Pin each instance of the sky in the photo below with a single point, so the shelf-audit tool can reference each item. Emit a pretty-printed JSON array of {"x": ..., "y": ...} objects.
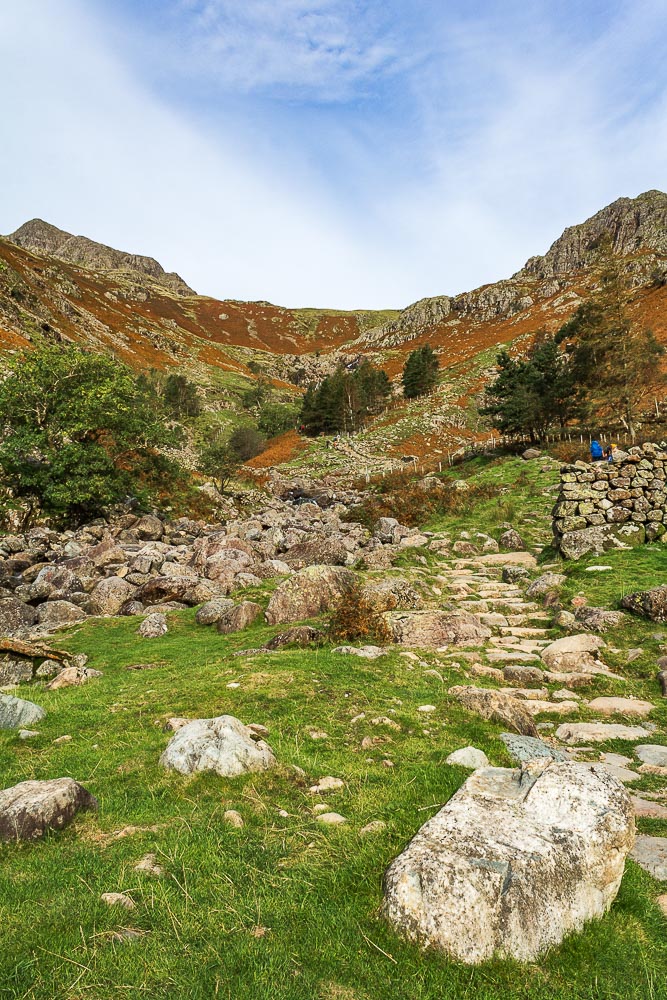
[{"x": 332, "y": 153}]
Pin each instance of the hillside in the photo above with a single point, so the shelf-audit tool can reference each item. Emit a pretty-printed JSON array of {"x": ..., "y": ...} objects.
[{"x": 58, "y": 286}]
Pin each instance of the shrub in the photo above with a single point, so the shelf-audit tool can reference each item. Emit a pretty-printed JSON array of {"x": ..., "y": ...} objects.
[{"x": 355, "y": 620}]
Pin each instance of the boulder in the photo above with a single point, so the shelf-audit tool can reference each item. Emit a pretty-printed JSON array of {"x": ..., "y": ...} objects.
[
  {"x": 308, "y": 593},
  {"x": 652, "y": 753},
  {"x": 512, "y": 540},
  {"x": 238, "y": 617},
  {"x": 391, "y": 594},
  {"x": 223, "y": 745},
  {"x": 149, "y": 527},
  {"x": 53, "y": 615},
  {"x": 73, "y": 677},
  {"x": 598, "y": 732},
  {"x": 298, "y": 635},
  {"x": 15, "y": 671},
  {"x": 496, "y": 707},
  {"x": 621, "y": 706},
  {"x": 153, "y": 626},
  {"x": 469, "y": 757},
  {"x": 212, "y": 611},
  {"x": 433, "y": 629},
  {"x": 545, "y": 583},
  {"x": 651, "y": 604},
  {"x": 515, "y": 861},
  {"x": 523, "y": 748},
  {"x": 573, "y": 653},
  {"x": 321, "y": 551},
  {"x": 162, "y": 588},
  {"x": 16, "y": 713},
  {"x": 650, "y": 853},
  {"x": 30, "y": 808},
  {"x": 15, "y": 616},
  {"x": 109, "y": 596},
  {"x": 599, "y": 539},
  {"x": 598, "y": 619}
]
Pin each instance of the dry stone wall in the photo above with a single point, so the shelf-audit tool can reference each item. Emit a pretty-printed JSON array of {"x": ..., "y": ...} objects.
[{"x": 606, "y": 505}]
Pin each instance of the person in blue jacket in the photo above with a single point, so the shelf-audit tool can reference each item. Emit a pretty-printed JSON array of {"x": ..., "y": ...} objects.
[{"x": 596, "y": 451}]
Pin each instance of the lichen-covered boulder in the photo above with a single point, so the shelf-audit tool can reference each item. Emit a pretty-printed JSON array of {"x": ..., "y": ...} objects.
[
  {"x": 109, "y": 596},
  {"x": 15, "y": 712},
  {"x": 433, "y": 629},
  {"x": 15, "y": 616},
  {"x": 30, "y": 808},
  {"x": 651, "y": 604},
  {"x": 223, "y": 745},
  {"x": 514, "y": 862},
  {"x": 309, "y": 592},
  {"x": 238, "y": 617},
  {"x": 496, "y": 706}
]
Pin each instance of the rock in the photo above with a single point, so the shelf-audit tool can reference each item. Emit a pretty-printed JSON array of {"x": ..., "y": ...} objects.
[
  {"x": 30, "y": 808},
  {"x": 525, "y": 559},
  {"x": 650, "y": 853},
  {"x": 652, "y": 753},
  {"x": 327, "y": 784},
  {"x": 547, "y": 707},
  {"x": 233, "y": 818},
  {"x": 662, "y": 681},
  {"x": 223, "y": 745},
  {"x": 599, "y": 539},
  {"x": 161, "y": 589},
  {"x": 545, "y": 583},
  {"x": 16, "y": 713},
  {"x": 598, "y": 732},
  {"x": 109, "y": 596},
  {"x": 647, "y": 809},
  {"x": 651, "y": 604},
  {"x": 15, "y": 616},
  {"x": 298, "y": 635},
  {"x": 531, "y": 453},
  {"x": 662, "y": 903},
  {"x": 512, "y": 540},
  {"x": 149, "y": 527},
  {"x": 496, "y": 707},
  {"x": 469, "y": 757},
  {"x": 512, "y": 574},
  {"x": 148, "y": 866},
  {"x": 322, "y": 551},
  {"x": 365, "y": 652},
  {"x": 153, "y": 626},
  {"x": 391, "y": 594},
  {"x": 375, "y": 826},
  {"x": 73, "y": 677},
  {"x": 238, "y": 617},
  {"x": 14, "y": 672},
  {"x": 598, "y": 619},
  {"x": 515, "y": 861},
  {"x": 524, "y": 748},
  {"x": 308, "y": 593},
  {"x": 434, "y": 629},
  {"x": 27, "y": 734},
  {"x": 523, "y": 675},
  {"x": 212, "y": 611},
  {"x": 573, "y": 654},
  {"x": 331, "y": 819},
  {"x": 621, "y": 706},
  {"x": 118, "y": 899},
  {"x": 53, "y": 615}
]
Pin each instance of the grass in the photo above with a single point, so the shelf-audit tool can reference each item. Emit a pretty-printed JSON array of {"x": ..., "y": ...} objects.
[{"x": 285, "y": 907}]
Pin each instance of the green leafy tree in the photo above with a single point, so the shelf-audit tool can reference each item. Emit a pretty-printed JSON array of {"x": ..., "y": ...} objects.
[
  {"x": 78, "y": 432},
  {"x": 420, "y": 372},
  {"x": 246, "y": 441},
  {"x": 276, "y": 418},
  {"x": 530, "y": 395},
  {"x": 180, "y": 397},
  {"x": 220, "y": 461},
  {"x": 345, "y": 400}
]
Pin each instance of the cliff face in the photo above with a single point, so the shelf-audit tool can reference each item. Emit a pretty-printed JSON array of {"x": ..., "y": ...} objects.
[{"x": 42, "y": 237}]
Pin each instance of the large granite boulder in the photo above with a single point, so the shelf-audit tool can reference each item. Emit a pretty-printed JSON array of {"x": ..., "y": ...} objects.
[
  {"x": 308, "y": 593},
  {"x": 53, "y": 615},
  {"x": 15, "y": 616},
  {"x": 30, "y": 808},
  {"x": 223, "y": 745},
  {"x": 600, "y": 538},
  {"x": 651, "y": 604},
  {"x": 238, "y": 617},
  {"x": 322, "y": 551},
  {"x": 573, "y": 654},
  {"x": 390, "y": 594},
  {"x": 212, "y": 611},
  {"x": 514, "y": 862},
  {"x": 433, "y": 629}
]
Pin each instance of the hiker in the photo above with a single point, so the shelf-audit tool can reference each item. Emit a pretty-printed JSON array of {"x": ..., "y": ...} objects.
[
  {"x": 596, "y": 451},
  {"x": 609, "y": 452}
]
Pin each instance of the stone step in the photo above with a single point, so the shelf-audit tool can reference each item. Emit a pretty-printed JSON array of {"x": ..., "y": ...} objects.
[{"x": 523, "y": 631}]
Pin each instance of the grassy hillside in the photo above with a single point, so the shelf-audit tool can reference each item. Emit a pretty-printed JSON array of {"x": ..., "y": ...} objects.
[{"x": 287, "y": 907}]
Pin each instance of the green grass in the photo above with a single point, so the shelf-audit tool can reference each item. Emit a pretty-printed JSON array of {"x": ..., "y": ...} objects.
[{"x": 315, "y": 890}]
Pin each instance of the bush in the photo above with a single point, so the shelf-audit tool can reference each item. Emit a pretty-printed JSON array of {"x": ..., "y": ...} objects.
[
  {"x": 355, "y": 620},
  {"x": 246, "y": 442},
  {"x": 276, "y": 418}
]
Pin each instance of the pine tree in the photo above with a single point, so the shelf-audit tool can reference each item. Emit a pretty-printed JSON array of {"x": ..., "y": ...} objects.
[{"x": 420, "y": 372}]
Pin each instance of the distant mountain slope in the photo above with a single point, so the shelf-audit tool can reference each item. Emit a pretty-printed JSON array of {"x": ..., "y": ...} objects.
[{"x": 42, "y": 237}]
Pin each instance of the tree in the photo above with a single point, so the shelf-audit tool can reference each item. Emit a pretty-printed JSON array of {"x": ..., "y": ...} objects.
[
  {"x": 180, "y": 397},
  {"x": 615, "y": 360},
  {"x": 532, "y": 394},
  {"x": 219, "y": 461},
  {"x": 420, "y": 372},
  {"x": 78, "y": 432},
  {"x": 345, "y": 400},
  {"x": 276, "y": 418},
  {"x": 246, "y": 441}
]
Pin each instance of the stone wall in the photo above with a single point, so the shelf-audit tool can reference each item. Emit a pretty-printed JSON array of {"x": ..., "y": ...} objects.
[{"x": 605, "y": 505}]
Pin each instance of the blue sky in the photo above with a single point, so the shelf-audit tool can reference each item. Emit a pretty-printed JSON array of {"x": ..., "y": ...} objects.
[{"x": 329, "y": 152}]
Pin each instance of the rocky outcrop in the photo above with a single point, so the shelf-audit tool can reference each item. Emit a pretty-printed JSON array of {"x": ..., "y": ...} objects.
[
  {"x": 606, "y": 505},
  {"x": 30, "y": 808},
  {"x": 514, "y": 862},
  {"x": 223, "y": 745}
]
